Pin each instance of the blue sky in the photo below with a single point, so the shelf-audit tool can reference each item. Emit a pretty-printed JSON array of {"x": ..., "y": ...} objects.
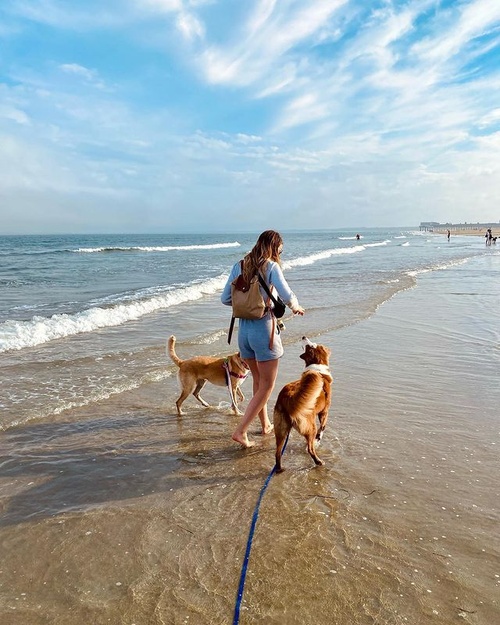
[{"x": 224, "y": 115}]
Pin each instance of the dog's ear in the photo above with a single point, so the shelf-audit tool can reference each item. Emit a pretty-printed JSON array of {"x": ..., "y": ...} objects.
[{"x": 323, "y": 354}]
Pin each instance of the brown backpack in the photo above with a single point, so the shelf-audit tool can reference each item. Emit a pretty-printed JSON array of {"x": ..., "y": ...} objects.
[{"x": 247, "y": 300}]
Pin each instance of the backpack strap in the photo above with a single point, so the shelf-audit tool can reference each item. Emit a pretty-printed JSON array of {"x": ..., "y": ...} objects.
[
  {"x": 263, "y": 284},
  {"x": 230, "y": 331},
  {"x": 231, "y": 325}
]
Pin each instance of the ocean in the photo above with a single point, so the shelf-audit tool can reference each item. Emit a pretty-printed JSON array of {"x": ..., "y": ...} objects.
[{"x": 115, "y": 510}]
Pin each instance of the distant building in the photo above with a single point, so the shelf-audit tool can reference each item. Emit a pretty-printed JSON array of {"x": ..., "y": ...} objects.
[{"x": 429, "y": 225}]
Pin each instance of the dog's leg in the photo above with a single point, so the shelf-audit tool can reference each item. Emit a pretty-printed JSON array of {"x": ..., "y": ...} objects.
[
  {"x": 310, "y": 448},
  {"x": 241, "y": 397},
  {"x": 323, "y": 415},
  {"x": 199, "y": 387},
  {"x": 323, "y": 418},
  {"x": 282, "y": 427},
  {"x": 235, "y": 395},
  {"x": 182, "y": 397},
  {"x": 188, "y": 385}
]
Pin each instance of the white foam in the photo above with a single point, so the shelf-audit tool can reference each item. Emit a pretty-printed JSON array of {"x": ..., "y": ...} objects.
[
  {"x": 309, "y": 260},
  {"x": 439, "y": 266},
  {"x": 15, "y": 335},
  {"x": 60, "y": 406},
  {"x": 167, "y": 248},
  {"x": 212, "y": 337},
  {"x": 386, "y": 242}
]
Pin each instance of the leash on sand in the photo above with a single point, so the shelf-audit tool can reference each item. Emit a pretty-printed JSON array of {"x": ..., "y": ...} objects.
[{"x": 244, "y": 567}]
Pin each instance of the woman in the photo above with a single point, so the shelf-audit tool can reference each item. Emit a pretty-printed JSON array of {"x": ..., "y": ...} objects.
[{"x": 258, "y": 339}]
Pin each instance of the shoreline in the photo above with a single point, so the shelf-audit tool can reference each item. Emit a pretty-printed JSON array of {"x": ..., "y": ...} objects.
[{"x": 460, "y": 232}]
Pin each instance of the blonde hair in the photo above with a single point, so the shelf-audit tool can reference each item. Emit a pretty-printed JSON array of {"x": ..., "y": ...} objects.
[{"x": 267, "y": 248}]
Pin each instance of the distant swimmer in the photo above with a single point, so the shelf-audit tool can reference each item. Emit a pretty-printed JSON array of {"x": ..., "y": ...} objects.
[{"x": 358, "y": 237}]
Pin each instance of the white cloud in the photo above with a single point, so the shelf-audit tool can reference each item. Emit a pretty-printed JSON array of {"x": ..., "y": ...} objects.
[
  {"x": 271, "y": 31},
  {"x": 493, "y": 117},
  {"x": 475, "y": 18},
  {"x": 166, "y": 6},
  {"x": 189, "y": 26},
  {"x": 15, "y": 115},
  {"x": 74, "y": 68}
]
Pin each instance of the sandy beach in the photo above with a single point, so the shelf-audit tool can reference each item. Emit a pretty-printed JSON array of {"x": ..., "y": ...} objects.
[
  {"x": 476, "y": 232},
  {"x": 130, "y": 515}
]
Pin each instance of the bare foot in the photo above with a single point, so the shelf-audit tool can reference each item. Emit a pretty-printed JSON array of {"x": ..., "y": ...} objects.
[
  {"x": 242, "y": 439},
  {"x": 268, "y": 429}
]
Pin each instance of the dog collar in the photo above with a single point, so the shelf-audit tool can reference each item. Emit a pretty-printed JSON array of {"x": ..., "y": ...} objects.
[
  {"x": 235, "y": 375},
  {"x": 320, "y": 369}
]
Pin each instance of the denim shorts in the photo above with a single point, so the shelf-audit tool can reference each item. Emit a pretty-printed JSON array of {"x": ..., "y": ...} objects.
[{"x": 254, "y": 336}]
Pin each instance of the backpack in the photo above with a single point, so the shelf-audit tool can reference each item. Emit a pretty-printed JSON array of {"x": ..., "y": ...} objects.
[{"x": 247, "y": 300}]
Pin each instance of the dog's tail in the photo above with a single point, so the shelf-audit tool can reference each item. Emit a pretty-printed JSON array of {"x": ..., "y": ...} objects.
[{"x": 171, "y": 351}]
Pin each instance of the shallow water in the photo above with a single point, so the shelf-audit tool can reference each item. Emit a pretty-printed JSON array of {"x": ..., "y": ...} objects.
[{"x": 121, "y": 512}]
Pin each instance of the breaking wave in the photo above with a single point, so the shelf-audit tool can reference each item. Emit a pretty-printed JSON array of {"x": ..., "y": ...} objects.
[{"x": 15, "y": 335}]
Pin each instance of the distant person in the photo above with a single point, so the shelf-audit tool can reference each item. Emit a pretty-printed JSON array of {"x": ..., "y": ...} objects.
[
  {"x": 358, "y": 237},
  {"x": 448, "y": 235},
  {"x": 488, "y": 236}
]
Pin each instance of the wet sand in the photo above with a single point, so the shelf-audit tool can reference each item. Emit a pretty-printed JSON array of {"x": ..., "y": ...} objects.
[
  {"x": 129, "y": 514},
  {"x": 462, "y": 232}
]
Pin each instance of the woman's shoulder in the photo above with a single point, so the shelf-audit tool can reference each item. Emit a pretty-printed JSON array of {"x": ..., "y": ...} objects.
[
  {"x": 272, "y": 266},
  {"x": 269, "y": 264},
  {"x": 236, "y": 269}
]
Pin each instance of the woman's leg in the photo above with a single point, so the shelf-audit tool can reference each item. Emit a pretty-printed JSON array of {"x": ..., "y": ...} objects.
[
  {"x": 267, "y": 426},
  {"x": 264, "y": 379}
]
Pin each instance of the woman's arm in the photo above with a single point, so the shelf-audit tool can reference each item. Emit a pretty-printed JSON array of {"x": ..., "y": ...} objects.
[
  {"x": 277, "y": 279},
  {"x": 226, "y": 293}
]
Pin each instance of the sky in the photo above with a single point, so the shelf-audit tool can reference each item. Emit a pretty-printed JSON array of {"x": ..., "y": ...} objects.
[{"x": 242, "y": 115}]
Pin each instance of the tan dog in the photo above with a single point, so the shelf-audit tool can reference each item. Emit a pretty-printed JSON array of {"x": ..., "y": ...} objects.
[
  {"x": 196, "y": 372},
  {"x": 300, "y": 402}
]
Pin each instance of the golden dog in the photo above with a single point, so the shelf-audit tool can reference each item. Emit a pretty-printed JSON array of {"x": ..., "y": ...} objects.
[
  {"x": 194, "y": 373},
  {"x": 301, "y": 401}
]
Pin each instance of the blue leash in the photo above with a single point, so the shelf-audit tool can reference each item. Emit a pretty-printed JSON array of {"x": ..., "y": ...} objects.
[{"x": 244, "y": 567}]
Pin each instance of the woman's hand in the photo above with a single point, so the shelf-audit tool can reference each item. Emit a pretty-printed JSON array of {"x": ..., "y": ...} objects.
[{"x": 298, "y": 310}]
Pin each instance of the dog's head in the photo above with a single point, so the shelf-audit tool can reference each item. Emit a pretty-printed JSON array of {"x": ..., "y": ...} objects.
[
  {"x": 238, "y": 364},
  {"x": 315, "y": 354}
]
